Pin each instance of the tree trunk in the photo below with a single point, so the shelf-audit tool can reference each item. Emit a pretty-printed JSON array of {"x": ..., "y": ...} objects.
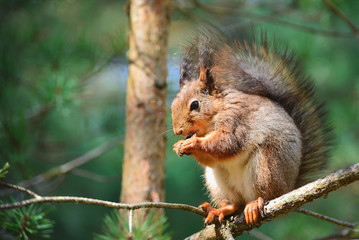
[{"x": 144, "y": 160}]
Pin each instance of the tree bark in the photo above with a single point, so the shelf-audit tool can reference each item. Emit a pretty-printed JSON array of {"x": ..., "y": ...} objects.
[{"x": 144, "y": 159}]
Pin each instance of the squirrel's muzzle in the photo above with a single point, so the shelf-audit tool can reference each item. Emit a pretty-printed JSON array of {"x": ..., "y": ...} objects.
[{"x": 178, "y": 131}]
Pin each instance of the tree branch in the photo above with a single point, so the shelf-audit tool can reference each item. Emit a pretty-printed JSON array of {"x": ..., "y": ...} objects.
[
  {"x": 21, "y": 189},
  {"x": 283, "y": 204},
  {"x": 325, "y": 218},
  {"x": 71, "y": 165},
  {"x": 265, "y": 18},
  {"x": 94, "y": 176},
  {"x": 90, "y": 201},
  {"x": 343, "y": 234},
  {"x": 99, "y": 69},
  {"x": 236, "y": 224},
  {"x": 103, "y": 203},
  {"x": 341, "y": 15}
]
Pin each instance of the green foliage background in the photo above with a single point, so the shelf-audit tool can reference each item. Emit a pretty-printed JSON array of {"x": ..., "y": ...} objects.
[{"x": 63, "y": 69}]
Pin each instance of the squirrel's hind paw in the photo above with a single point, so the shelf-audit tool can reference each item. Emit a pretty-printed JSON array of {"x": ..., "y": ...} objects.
[
  {"x": 220, "y": 213},
  {"x": 253, "y": 210}
]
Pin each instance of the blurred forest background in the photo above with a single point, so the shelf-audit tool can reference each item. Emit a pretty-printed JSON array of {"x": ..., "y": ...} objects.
[{"x": 63, "y": 70}]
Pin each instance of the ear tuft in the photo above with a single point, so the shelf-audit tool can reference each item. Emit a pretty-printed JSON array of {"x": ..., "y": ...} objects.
[
  {"x": 198, "y": 59},
  {"x": 189, "y": 64},
  {"x": 206, "y": 58}
]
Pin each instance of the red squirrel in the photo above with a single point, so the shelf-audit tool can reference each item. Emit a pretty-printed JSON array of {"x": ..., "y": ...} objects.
[{"x": 251, "y": 119}]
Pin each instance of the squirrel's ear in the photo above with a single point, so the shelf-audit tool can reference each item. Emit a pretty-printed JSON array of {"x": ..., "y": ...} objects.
[
  {"x": 189, "y": 64},
  {"x": 198, "y": 60},
  {"x": 206, "y": 63},
  {"x": 206, "y": 78},
  {"x": 188, "y": 70}
]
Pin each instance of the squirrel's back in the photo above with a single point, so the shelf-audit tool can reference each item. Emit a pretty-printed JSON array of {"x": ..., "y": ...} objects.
[{"x": 262, "y": 68}]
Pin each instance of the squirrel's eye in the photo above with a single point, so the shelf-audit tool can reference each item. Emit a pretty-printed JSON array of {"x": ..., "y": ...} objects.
[{"x": 194, "y": 105}]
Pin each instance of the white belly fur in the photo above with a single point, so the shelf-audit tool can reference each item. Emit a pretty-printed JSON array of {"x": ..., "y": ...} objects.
[{"x": 232, "y": 180}]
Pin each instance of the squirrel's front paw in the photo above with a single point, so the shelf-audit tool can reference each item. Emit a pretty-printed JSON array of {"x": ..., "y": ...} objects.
[
  {"x": 185, "y": 146},
  {"x": 177, "y": 146}
]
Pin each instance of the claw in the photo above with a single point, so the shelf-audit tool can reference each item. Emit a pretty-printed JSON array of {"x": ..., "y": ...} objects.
[
  {"x": 183, "y": 147},
  {"x": 253, "y": 210},
  {"x": 206, "y": 207},
  {"x": 219, "y": 213},
  {"x": 177, "y": 147}
]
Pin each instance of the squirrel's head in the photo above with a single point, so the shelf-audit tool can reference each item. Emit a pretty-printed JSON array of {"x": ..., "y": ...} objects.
[
  {"x": 193, "y": 110},
  {"x": 197, "y": 102}
]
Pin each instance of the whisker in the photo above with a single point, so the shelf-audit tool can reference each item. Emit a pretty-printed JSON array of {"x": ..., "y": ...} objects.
[{"x": 167, "y": 131}]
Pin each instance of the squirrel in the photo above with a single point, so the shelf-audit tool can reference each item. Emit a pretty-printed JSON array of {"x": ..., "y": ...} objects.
[{"x": 250, "y": 117}]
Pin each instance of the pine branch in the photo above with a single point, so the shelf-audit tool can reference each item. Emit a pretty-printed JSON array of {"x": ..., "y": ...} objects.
[{"x": 284, "y": 204}]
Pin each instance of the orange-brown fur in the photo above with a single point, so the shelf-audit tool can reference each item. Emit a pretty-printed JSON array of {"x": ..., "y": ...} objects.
[{"x": 254, "y": 126}]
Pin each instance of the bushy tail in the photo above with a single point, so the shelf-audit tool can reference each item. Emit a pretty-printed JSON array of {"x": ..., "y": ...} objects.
[{"x": 262, "y": 68}]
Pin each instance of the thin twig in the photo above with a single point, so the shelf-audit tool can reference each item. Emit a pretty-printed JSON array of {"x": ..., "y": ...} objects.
[
  {"x": 130, "y": 221},
  {"x": 35, "y": 115},
  {"x": 93, "y": 176},
  {"x": 52, "y": 185},
  {"x": 71, "y": 165},
  {"x": 21, "y": 189},
  {"x": 196, "y": 18},
  {"x": 325, "y": 218},
  {"x": 99, "y": 68},
  {"x": 340, "y": 14},
  {"x": 92, "y": 201},
  {"x": 264, "y": 18},
  {"x": 343, "y": 234},
  {"x": 103, "y": 203},
  {"x": 39, "y": 113}
]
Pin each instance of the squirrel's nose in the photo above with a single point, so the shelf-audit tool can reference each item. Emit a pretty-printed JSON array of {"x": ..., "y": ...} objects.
[{"x": 178, "y": 131}]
